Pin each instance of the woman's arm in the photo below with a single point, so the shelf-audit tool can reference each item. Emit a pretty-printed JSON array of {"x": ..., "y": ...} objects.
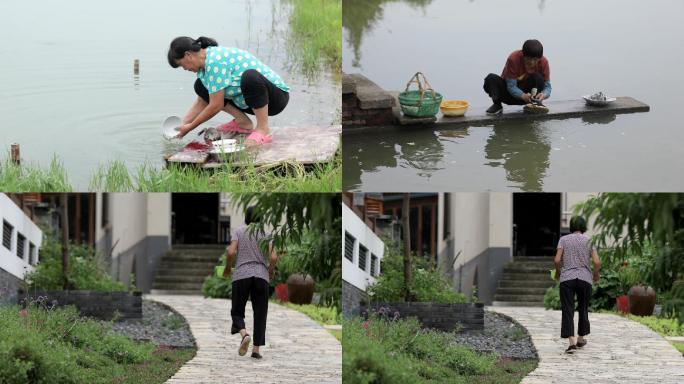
[
  {"x": 194, "y": 110},
  {"x": 273, "y": 261},
  {"x": 557, "y": 260},
  {"x": 597, "y": 264},
  {"x": 216, "y": 101},
  {"x": 230, "y": 252}
]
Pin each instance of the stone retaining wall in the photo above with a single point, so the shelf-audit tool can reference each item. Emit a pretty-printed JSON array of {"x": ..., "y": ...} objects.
[
  {"x": 9, "y": 284},
  {"x": 444, "y": 317},
  {"x": 101, "y": 305},
  {"x": 364, "y": 103},
  {"x": 351, "y": 299}
]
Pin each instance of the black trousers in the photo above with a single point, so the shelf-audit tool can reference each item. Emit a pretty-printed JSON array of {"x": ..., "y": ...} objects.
[
  {"x": 568, "y": 290},
  {"x": 257, "y": 90},
  {"x": 257, "y": 290},
  {"x": 496, "y": 88}
]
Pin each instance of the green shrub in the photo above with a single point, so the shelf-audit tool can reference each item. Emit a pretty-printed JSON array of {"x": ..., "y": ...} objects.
[
  {"x": 428, "y": 283},
  {"x": 400, "y": 351},
  {"x": 86, "y": 271},
  {"x": 552, "y": 298},
  {"x": 57, "y": 346},
  {"x": 217, "y": 287}
]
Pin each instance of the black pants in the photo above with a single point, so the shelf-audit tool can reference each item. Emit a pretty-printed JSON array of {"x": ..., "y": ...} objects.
[
  {"x": 257, "y": 290},
  {"x": 568, "y": 290},
  {"x": 257, "y": 90},
  {"x": 496, "y": 88}
]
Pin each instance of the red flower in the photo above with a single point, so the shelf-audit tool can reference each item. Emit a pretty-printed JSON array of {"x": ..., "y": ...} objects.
[
  {"x": 23, "y": 313},
  {"x": 365, "y": 324}
]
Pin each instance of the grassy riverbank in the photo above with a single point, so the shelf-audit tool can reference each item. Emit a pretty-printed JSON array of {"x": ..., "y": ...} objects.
[
  {"x": 316, "y": 31},
  {"x": 116, "y": 177}
]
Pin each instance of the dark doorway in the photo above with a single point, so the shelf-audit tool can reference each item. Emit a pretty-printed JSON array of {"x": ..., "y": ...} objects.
[
  {"x": 536, "y": 223},
  {"x": 195, "y": 218}
]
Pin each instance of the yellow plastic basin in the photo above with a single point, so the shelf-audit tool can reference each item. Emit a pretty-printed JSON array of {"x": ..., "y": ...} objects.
[{"x": 454, "y": 108}]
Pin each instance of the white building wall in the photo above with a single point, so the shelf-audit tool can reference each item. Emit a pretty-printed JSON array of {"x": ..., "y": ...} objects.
[
  {"x": 128, "y": 217},
  {"x": 22, "y": 224},
  {"x": 159, "y": 214},
  {"x": 501, "y": 219},
  {"x": 351, "y": 272},
  {"x": 470, "y": 223}
]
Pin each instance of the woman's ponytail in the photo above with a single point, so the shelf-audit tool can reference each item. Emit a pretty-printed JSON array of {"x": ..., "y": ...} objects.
[
  {"x": 183, "y": 44},
  {"x": 205, "y": 42}
]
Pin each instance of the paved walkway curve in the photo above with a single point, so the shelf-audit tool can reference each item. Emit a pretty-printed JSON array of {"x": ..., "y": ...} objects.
[
  {"x": 297, "y": 350},
  {"x": 618, "y": 351}
]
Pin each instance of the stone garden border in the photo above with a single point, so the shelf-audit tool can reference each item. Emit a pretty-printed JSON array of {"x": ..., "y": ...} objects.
[
  {"x": 100, "y": 305},
  {"x": 443, "y": 317}
]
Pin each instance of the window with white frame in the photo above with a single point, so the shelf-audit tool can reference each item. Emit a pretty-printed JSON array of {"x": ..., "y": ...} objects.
[
  {"x": 7, "y": 233},
  {"x": 374, "y": 265},
  {"x": 21, "y": 245},
  {"x": 32, "y": 253},
  {"x": 363, "y": 257},
  {"x": 349, "y": 246}
]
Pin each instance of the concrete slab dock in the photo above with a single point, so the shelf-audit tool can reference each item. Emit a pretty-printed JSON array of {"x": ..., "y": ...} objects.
[
  {"x": 305, "y": 145},
  {"x": 477, "y": 116}
]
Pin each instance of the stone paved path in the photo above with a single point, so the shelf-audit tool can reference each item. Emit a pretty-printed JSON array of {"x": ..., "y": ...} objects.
[
  {"x": 297, "y": 349},
  {"x": 618, "y": 351}
]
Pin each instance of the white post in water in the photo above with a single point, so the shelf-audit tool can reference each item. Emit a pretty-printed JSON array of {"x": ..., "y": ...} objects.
[
  {"x": 136, "y": 67},
  {"x": 14, "y": 154}
]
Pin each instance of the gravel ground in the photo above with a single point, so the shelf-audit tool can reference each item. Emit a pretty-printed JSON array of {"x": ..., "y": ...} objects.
[
  {"x": 160, "y": 325},
  {"x": 501, "y": 335}
]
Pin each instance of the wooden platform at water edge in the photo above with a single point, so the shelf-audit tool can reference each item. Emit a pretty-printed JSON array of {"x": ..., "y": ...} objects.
[
  {"x": 306, "y": 145},
  {"x": 557, "y": 110}
]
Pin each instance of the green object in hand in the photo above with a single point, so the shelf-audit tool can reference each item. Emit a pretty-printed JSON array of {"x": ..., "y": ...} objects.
[
  {"x": 219, "y": 270},
  {"x": 553, "y": 274}
]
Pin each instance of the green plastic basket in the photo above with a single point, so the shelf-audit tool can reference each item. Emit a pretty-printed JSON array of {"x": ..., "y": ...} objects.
[{"x": 421, "y": 103}]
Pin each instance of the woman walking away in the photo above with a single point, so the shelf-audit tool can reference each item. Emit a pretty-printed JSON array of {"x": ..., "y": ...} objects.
[
  {"x": 230, "y": 80},
  {"x": 251, "y": 280},
  {"x": 572, "y": 268}
]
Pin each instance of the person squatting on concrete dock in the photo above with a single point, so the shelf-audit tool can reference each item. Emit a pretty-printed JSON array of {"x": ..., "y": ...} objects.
[
  {"x": 231, "y": 80},
  {"x": 525, "y": 69},
  {"x": 250, "y": 280},
  {"x": 573, "y": 257}
]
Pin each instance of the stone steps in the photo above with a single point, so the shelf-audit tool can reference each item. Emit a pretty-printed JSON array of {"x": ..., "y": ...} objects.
[
  {"x": 505, "y": 283},
  {"x": 524, "y": 281},
  {"x": 521, "y": 291},
  {"x": 515, "y": 297},
  {"x": 182, "y": 269}
]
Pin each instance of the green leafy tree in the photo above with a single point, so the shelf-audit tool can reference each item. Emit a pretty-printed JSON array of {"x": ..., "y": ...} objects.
[
  {"x": 631, "y": 222},
  {"x": 311, "y": 219}
]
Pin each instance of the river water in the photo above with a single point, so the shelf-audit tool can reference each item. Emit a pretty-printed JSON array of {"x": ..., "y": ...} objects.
[
  {"x": 624, "y": 48},
  {"x": 68, "y": 87}
]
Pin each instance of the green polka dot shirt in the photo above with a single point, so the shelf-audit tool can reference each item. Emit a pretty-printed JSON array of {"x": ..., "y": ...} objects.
[{"x": 223, "y": 69}]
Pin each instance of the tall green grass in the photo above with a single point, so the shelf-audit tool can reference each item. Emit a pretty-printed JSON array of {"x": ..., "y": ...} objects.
[
  {"x": 43, "y": 345},
  {"x": 316, "y": 33},
  {"x": 116, "y": 177},
  {"x": 32, "y": 178}
]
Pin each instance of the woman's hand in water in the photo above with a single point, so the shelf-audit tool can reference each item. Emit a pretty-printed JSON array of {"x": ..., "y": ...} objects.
[{"x": 184, "y": 130}]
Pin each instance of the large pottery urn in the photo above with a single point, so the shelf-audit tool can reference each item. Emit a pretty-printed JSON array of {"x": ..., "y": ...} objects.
[
  {"x": 642, "y": 299},
  {"x": 300, "y": 288}
]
